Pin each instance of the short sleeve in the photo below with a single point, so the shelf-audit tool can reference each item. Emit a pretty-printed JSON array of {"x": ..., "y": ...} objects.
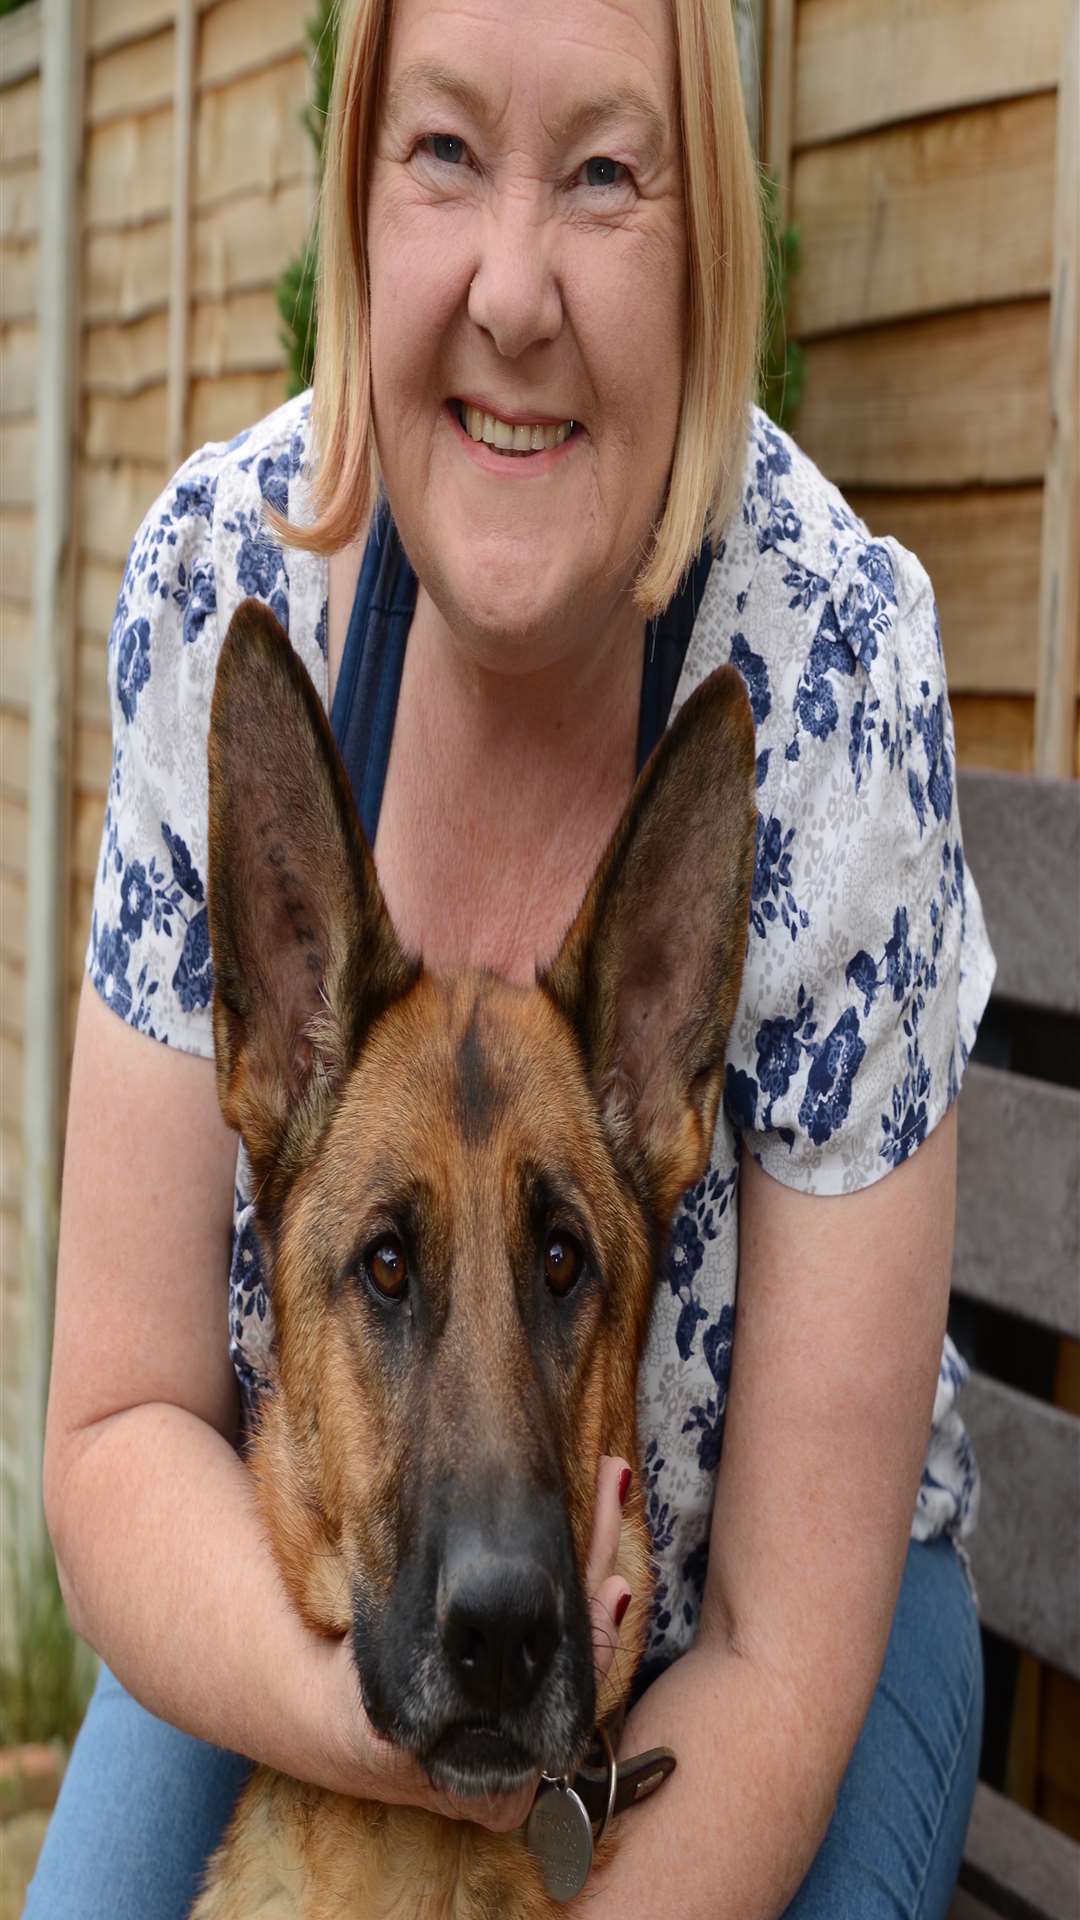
[
  {"x": 868, "y": 965},
  {"x": 149, "y": 949}
]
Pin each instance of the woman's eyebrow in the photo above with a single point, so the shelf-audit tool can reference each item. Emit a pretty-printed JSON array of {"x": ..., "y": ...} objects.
[{"x": 429, "y": 77}]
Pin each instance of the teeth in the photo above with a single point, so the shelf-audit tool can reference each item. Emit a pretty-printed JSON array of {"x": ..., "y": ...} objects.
[{"x": 507, "y": 439}]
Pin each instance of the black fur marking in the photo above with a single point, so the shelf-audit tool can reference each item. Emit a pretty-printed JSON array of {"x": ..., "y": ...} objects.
[{"x": 479, "y": 1099}]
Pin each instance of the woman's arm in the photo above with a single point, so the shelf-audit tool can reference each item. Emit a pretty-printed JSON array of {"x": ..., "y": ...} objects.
[{"x": 841, "y": 1315}]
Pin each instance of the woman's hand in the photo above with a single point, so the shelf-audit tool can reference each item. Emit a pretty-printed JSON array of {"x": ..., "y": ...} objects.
[{"x": 386, "y": 1772}]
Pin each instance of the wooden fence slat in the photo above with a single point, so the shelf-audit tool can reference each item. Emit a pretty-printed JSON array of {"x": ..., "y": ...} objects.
[
  {"x": 113, "y": 498},
  {"x": 239, "y": 335},
  {"x": 220, "y": 408},
  {"x": 239, "y": 245},
  {"x": 18, "y": 459},
  {"x": 16, "y": 553},
  {"x": 227, "y": 159},
  {"x": 981, "y": 550},
  {"x": 110, "y": 23},
  {"x": 10, "y": 1080},
  {"x": 11, "y": 1274},
  {"x": 12, "y": 996},
  {"x": 135, "y": 78},
  {"x": 14, "y": 749},
  {"x": 20, "y": 44},
  {"x": 81, "y": 901},
  {"x": 1059, "y": 602},
  {"x": 117, "y": 425},
  {"x": 20, "y": 195},
  {"x": 228, "y": 48},
  {"x": 949, "y": 212},
  {"x": 1026, "y": 1561},
  {"x": 1020, "y": 837},
  {"x": 13, "y": 839},
  {"x": 958, "y": 400},
  {"x": 98, "y": 587},
  {"x": 12, "y": 918},
  {"x": 1018, "y": 1218},
  {"x": 125, "y": 359},
  {"x": 859, "y": 66},
  {"x": 93, "y": 758},
  {"x": 1019, "y": 1862},
  {"x": 18, "y": 279},
  {"x": 18, "y": 371},
  {"x": 995, "y": 732},
  {"x": 86, "y": 835},
  {"x": 91, "y": 681},
  {"x": 20, "y": 122},
  {"x": 16, "y": 653},
  {"x": 247, "y": 240},
  {"x": 125, "y": 273},
  {"x": 128, "y": 170},
  {"x": 11, "y": 1164}
]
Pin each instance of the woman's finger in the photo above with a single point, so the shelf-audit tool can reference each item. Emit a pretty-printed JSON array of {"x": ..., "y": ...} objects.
[{"x": 612, "y": 1486}]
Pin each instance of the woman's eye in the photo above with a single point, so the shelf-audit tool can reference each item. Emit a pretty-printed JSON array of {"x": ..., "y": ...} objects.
[
  {"x": 599, "y": 171},
  {"x": 563, "y": 1262},
  {"x": 385, "y": 1266},
  {"x": 446, "y": 147}
]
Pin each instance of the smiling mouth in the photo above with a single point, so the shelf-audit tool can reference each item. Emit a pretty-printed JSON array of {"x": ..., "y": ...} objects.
[{"x": 515, "y": 441}]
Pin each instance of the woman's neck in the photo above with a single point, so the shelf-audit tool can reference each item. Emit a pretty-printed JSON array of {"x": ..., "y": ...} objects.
[{"x": 577, "y": 703}]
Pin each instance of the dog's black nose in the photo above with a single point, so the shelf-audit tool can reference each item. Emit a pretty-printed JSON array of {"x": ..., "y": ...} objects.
[{"x": 500, "y": 1625}]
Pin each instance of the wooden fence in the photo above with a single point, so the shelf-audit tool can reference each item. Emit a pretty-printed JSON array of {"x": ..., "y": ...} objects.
[
  {"x": 196, "y": 188},
  {"x": 928, "y": 150}
]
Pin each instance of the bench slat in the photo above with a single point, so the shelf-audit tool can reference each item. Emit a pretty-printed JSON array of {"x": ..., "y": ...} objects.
[
  {"x": 1025, "y": 1552},
  {"x": 966, "y": 1907},
  {"x": 1022, "y": 843},
  {"x": 1024, "y": 1869},
  {"x": 1018, "y": 1214}
]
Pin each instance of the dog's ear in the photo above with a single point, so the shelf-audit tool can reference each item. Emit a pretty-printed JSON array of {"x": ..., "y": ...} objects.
[
  {"x": 649, "y": 973},
  {"x": 304, "y": 955}
]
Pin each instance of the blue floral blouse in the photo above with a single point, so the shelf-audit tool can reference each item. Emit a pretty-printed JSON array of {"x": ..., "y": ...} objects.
[{"x": 868, "y": 965}]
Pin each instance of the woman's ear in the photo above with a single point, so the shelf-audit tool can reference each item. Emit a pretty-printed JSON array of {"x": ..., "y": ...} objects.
[
  {"x": 649, "y": 973},
  {"x": 304, "y": 955}
]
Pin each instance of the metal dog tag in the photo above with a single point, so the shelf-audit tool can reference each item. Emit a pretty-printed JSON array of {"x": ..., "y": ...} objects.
[{"x": 559, "y": 1833}]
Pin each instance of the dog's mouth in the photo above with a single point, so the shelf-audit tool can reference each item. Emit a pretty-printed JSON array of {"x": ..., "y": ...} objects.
[{"x": 478, "y": 1760}]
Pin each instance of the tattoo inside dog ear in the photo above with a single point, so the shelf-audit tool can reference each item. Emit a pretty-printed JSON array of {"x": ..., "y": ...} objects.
[
  {"x": 305, "y": 957},
  {"x": 649, "y": 974}
]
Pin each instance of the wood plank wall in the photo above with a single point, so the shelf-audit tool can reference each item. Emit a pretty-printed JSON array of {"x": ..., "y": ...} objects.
[
  {"x": 252, "y": 190},
  {"x": 20, "y": 95},
  {"x": 920, "y": 169}
]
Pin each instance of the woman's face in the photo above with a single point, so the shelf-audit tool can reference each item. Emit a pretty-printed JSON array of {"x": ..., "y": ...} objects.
[{"x": 528, "y": 263}]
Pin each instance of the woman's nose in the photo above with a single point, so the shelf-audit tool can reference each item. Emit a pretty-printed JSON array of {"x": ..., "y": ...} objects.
[{"x": 514, "y": 295}]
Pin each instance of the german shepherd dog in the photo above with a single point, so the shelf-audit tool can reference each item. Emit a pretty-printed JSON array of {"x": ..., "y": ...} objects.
[{"x": 463, "y": 1189}]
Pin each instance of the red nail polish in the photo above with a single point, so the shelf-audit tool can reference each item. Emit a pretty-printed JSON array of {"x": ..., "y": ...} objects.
[
  {"x": 620, "y": 1608},
  {"x": 625, "y": 1478}
]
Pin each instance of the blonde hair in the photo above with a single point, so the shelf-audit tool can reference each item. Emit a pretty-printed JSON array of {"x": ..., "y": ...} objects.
[{"x": 723, "y": 312}]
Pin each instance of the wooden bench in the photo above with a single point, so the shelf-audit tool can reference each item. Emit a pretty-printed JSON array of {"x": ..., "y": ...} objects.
[{"x": 1018, "y": 1251}]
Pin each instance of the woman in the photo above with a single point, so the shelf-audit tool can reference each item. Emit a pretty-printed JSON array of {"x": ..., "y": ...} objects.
[{"x": 540, "y": 285}]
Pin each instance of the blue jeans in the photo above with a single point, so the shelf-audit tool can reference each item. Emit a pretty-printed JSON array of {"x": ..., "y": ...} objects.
[{"x": 143, "y": 1806}]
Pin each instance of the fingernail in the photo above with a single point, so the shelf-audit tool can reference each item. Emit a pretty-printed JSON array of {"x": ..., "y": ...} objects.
[
  {"x": 625, "y": 1478},
  {"x": 620, "y": 1608}
]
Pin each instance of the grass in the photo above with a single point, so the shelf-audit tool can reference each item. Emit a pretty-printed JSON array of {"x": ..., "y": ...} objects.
[{"x": 46, "y": 1674}]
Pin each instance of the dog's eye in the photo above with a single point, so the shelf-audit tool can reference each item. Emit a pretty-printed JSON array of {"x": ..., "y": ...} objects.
[
  {"x": 563, "y": 1261},
  {"x": 386, "y": 1268}
]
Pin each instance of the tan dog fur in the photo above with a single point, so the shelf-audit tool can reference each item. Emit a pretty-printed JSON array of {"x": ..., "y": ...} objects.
[{"x": 349, "y": 1071}]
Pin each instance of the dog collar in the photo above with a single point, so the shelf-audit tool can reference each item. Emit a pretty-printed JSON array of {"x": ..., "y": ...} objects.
[{"x": 559, "y": 1831}]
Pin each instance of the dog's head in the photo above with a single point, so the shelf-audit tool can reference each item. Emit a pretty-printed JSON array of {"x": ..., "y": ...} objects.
[{"x": 462, "y": 1190}]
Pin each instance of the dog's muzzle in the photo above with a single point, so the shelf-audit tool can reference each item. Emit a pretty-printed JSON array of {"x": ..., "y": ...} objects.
[{"x": 481, "y": 1662}]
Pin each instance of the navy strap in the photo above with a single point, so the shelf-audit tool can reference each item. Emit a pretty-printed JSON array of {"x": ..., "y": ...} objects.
[{"x": 369, "y": 681}]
